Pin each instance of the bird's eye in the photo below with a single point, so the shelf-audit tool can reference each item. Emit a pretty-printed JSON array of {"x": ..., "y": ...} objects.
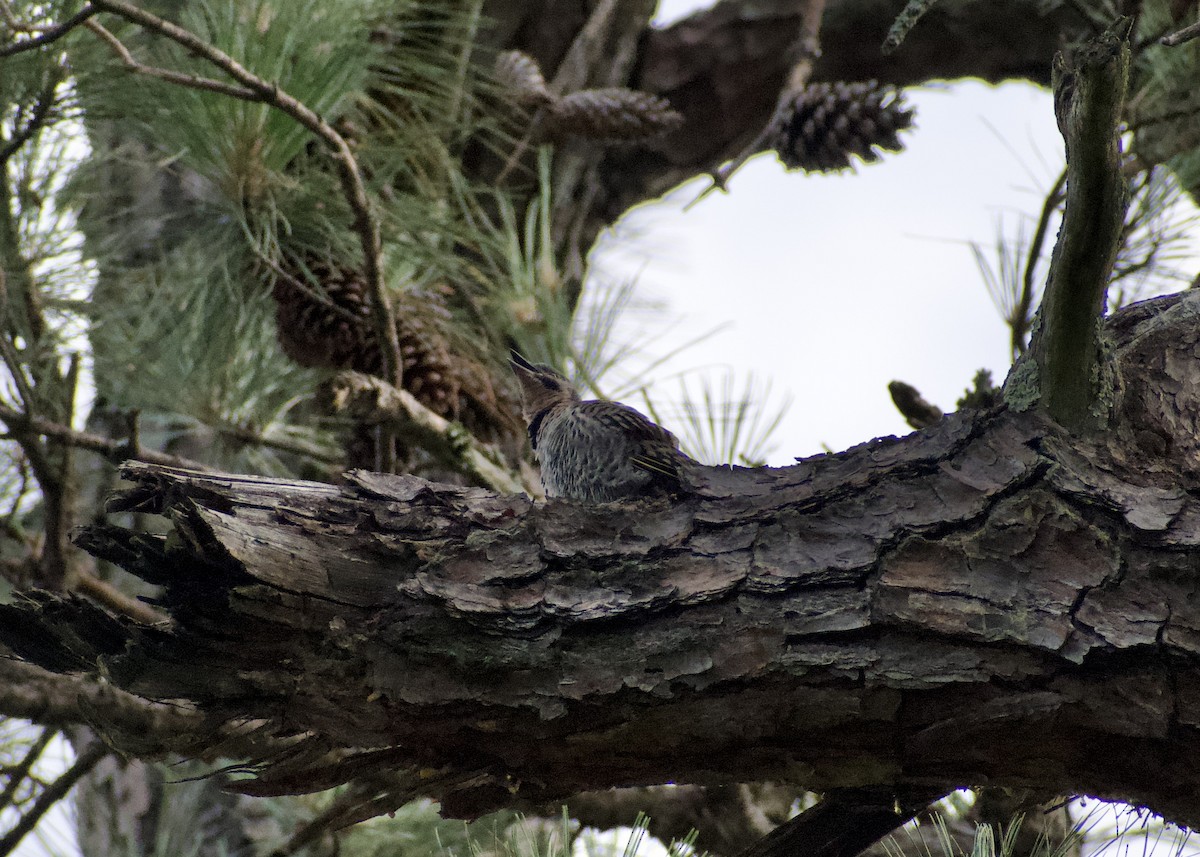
[{"x": 549, "y": 383}]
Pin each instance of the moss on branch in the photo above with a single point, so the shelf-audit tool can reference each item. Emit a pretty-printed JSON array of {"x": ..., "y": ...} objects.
[{"x": 1089, "y": 93}]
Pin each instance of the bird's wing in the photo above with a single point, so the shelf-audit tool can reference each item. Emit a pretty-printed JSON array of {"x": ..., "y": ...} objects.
[
  {"x": 657, "y": 450},
  {"x": 635, "y": 424}
]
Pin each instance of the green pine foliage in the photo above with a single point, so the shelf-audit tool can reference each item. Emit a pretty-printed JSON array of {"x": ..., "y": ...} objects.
[
  {"x": 206, "y": 361},
  {"x": 1164, "y": 102}
]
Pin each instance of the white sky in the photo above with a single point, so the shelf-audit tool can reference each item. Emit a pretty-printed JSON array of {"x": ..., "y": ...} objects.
[{"x": 834, "y": 285}]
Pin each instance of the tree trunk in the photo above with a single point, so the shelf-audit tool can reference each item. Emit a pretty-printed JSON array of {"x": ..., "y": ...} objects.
[{"x": 986, "y": 601}]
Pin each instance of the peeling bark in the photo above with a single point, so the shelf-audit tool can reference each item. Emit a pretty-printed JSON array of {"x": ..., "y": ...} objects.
[{"x": 988, "y": 601}]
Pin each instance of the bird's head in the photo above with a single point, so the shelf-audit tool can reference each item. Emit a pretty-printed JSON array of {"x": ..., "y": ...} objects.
[{"x": 541, "y": 386}]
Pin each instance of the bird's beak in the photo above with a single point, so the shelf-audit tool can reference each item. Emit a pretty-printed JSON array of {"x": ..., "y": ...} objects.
[{"x": 518, "y": 362}]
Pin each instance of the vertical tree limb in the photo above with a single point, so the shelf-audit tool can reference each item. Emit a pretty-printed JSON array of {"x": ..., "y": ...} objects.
[{"x": 1089, "y": 92}]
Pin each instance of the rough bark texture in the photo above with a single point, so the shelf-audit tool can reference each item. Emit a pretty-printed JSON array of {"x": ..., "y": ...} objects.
[{"x": 984, "y": 602}]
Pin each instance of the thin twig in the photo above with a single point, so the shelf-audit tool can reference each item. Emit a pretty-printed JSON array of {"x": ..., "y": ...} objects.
[
  {"x": 721, "y": 175},
  {"x": 807, "y": 48},
  {"x": 115, "y": 450},
  {"x": 905, "y": 21},
  {"x": 53, "y": 34},
  {"x": 7, "y": 353},
  {"x": 372, "y": 400},
  {"x": 59, "y": 497},
  {"x": 39, "y": 115},
  {"x": 192, "y": 81},
  {"x": 9, "y": 18},
  {"x": 18, "y": 772},
  {"x": 52, "y": 794},
  {"x": 365, "y": 222},
  {"x": 109, "y": 596},
  {"x": 1181, "y": 36},
  {"x": 253, "y": 438},
  {"x": 1022, "y": 312}
]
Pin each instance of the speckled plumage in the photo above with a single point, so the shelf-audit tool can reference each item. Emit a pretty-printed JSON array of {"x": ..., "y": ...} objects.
[{"x": 593, "y": 450}]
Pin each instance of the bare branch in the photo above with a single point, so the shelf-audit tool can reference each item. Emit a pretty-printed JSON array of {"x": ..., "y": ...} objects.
[
  {"x": 372, "y": 400},
  {"x": 365, "y": 222},
  {"x": 38, "y": 116},
  {"x": 114, "y": 450},
  {"x": 1184, "y": 35},
  {"x": 905, "y": 21},
  {"x": 52, "y": 34},
  {"x": 114, "y": 599},
  {"x": 254, "y": 438},
  {"x": 60, "y": 499},
  {"x": 806, "y": 49},
  {"x": 17, "y": 773},
  {"x": 130, "y": 449},
  {"x": 191, "y": 81},
  {"x": 52, "y": 794},
  {"x": 1022, "y": 312},
  {"x": 137, "y": 726}
]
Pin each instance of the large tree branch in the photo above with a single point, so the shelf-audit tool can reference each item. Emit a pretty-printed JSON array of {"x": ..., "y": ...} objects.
[
  {"x": 990, "y": 600},
  {"x": 723, "y": 69}
]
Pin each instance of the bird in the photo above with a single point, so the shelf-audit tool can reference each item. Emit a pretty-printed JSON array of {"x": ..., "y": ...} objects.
[{"x": 594, "y": 450}]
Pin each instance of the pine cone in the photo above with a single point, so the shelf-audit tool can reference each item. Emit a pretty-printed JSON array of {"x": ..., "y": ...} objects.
[
  {"x": 826, "y": 123},
  {"x": 521, "y": 77},
  {"x": 611, "y": 114},
  {"x": 324, "y": 320}
]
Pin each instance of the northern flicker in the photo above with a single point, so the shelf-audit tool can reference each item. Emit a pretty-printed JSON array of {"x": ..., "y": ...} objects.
[{"x": 594, "y": 450}]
